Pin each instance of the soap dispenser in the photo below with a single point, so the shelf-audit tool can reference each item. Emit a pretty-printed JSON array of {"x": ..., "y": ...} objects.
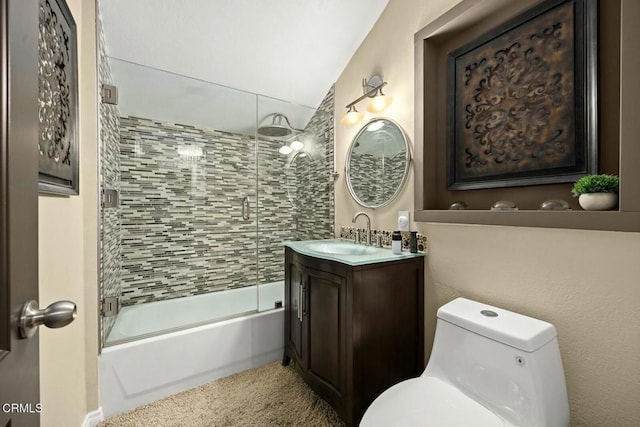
[{"x": 396, "y": 243}]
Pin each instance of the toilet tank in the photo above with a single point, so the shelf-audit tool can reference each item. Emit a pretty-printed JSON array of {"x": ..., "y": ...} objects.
[{"x": 508, "y": 362}]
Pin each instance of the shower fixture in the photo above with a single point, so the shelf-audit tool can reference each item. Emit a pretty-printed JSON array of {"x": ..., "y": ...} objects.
[{"x": 279, "y": 126}]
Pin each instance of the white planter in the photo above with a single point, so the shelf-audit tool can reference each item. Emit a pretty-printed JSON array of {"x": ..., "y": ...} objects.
[{"x": 598, "y": 201}]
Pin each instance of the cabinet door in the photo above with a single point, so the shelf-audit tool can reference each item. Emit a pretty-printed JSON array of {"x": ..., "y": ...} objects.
[
  {"x": 324, "y": 314},
  {"x": 294, "y": 314}
]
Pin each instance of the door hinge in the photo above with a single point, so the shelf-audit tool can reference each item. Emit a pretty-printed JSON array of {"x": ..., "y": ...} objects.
[
  {"x": 110, "y": 306},
  {"x": 109, "y": 94},
  {"x": 109, "y": 198}
]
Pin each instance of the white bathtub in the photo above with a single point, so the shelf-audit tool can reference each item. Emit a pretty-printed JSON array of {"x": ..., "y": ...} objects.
[{"x": 139, "y": 372}]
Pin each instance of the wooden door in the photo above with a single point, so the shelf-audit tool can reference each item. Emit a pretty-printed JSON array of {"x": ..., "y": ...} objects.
[{"x": 19, "y": 376}]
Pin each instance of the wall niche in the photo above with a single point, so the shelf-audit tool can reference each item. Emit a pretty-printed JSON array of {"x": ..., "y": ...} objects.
[{"x": 465, "y": 22}]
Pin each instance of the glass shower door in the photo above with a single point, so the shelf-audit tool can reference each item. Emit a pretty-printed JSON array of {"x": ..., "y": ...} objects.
[
  {"x": 295, "y": 185},
  {"x": 187, "y": 197}
]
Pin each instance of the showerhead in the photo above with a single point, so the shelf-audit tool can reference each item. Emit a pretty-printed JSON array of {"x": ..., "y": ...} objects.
[
  {"x": 278, "y": 127},
  {"x": 274, "y": 130}
]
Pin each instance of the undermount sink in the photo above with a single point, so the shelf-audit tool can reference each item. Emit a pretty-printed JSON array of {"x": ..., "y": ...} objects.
[{"x": 341, "y": 248}]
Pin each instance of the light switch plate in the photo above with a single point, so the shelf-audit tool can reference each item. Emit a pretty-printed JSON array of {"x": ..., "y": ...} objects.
[{"x": 403, "y": 220}]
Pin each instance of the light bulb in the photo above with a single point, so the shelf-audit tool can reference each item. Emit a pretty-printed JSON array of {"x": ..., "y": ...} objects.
[
  {"x": 296, "y": 145},
  {"x": 285, "y": 149},
  {"x": 352, "y": 117},
  {"x": 379, "y": 103}
]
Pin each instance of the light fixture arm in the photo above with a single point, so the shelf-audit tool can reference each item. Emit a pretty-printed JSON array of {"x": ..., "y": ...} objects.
[{"x": 367, "y": 94}]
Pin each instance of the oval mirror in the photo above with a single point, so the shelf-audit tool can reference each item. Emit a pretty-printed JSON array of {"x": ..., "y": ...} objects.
[{"x": 377, "y": 163}]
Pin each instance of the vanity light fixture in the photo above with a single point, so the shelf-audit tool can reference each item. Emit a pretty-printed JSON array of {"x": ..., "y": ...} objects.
[
  {"x": 296, "y": 145},
  {"x": 380, "y": 102},
  {"x": 285, "y": 149},
  {"x": 352, "y": 117},
  {"x": 372, "y": 88}
]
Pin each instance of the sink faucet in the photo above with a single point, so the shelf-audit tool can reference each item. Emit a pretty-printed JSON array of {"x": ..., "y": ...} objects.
[{"x": 355, "y": 217}]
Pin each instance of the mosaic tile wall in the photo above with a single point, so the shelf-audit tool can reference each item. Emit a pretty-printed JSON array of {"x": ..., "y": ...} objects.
[
  {"x": 314, "y": 179},
  {"x": 181, "y": 206},
  {"x": 109, "y": 177}
]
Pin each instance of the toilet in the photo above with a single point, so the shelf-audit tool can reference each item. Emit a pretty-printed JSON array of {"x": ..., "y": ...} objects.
[{"x": 488, "y": 367}]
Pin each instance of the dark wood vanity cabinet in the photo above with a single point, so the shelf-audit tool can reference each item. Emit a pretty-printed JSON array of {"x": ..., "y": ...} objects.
[{"x": 353, "y": 331}]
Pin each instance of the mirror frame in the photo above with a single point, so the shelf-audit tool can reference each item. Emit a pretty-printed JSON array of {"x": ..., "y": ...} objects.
[{"x": 347, "y": 166}]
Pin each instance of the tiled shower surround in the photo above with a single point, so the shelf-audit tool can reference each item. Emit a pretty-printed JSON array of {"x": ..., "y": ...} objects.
[{"x": 181, "y": 196}]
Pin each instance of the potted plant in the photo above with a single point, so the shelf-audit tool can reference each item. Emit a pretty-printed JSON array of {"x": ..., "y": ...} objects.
[{"x": 597, "y": 192}]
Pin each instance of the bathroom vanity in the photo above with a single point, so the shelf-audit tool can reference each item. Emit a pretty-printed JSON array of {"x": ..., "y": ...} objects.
[{"x": 354, "y": 322}]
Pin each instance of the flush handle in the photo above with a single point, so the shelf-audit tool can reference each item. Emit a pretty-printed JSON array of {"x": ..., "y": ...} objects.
[{"x": 56, "y": 315}]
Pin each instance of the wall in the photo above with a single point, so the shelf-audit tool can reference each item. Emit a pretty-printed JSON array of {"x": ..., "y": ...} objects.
[
  {"x": 314, "y": 199},
  {"x": 585, "y": 282},
  {"x": 181, "y": 214},
  {"x": 68, "y": 260}
]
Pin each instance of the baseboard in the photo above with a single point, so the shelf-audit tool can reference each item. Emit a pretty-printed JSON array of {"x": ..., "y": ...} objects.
[{"x": 93, "y": 418}]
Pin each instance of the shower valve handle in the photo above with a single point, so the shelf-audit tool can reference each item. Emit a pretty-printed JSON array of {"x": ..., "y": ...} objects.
[{"x": 56, "y": 315}]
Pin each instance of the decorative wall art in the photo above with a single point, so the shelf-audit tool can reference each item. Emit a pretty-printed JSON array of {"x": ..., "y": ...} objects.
[
  {"x": 522, "y": 100},
  {"x": 58, "y": 99}
]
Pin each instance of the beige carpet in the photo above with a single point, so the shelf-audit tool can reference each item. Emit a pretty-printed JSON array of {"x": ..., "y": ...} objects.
[{"x": 271, "y": 395}]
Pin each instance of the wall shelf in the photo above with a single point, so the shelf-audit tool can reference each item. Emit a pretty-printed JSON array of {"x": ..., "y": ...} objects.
[{"x": 585, "y": 220}]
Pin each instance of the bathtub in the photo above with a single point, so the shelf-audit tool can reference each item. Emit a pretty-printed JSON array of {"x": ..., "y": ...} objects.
[{"x": 137, "y": 372}]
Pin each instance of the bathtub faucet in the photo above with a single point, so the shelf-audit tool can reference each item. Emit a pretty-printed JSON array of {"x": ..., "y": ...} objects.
[{"x": 368, "y": 236}]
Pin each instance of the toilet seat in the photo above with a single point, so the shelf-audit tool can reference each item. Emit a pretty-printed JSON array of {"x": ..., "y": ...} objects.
[{"x": 428, "y": 402}]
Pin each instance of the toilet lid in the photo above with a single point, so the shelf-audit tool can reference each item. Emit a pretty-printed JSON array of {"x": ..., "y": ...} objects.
[{"x": 427, "y": 402}]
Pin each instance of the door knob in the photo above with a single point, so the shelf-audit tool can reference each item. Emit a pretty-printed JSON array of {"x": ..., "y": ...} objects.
[{"x": 56, "y": 315}]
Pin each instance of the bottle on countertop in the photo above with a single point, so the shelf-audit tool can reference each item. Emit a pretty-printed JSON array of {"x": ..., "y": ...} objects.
[
  {"x": 396, "y": 242},
  {"x": 413, "y": 242}
]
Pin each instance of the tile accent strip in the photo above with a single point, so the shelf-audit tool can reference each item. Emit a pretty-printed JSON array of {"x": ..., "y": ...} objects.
[{"x": 349, "y": 233}]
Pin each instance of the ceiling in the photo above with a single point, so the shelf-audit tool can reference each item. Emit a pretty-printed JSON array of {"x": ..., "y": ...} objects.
[{"x": 290, "y": 50}]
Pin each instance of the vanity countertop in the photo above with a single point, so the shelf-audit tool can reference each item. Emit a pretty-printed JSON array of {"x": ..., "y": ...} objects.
[{"x": 347, "y": 252}]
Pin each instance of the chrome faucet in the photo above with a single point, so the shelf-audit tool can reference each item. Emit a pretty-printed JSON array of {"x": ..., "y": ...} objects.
[{"x": 355, "y": 217}]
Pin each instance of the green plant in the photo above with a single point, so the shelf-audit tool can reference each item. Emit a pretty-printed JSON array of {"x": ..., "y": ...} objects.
[{"x": 596, "y": 184}]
